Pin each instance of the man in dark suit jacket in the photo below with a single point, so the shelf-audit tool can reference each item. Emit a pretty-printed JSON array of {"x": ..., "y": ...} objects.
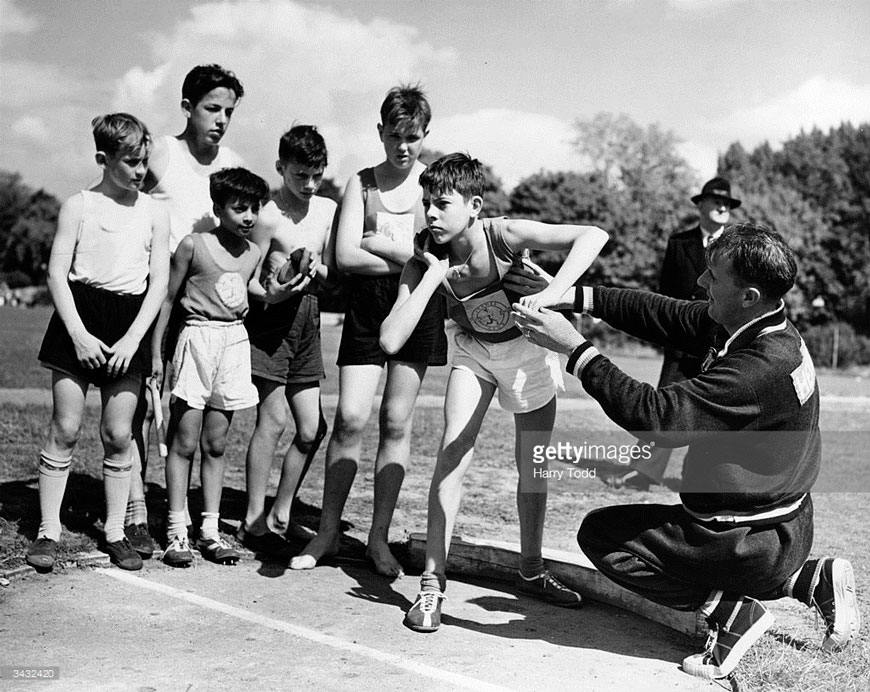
[{"x": 683, "y": 264}]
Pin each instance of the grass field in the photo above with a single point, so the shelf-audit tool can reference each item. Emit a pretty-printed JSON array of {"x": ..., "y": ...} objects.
[{"x": 787, "y": 658}]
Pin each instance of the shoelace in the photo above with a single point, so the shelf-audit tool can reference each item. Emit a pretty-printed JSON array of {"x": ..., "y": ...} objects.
[
  {"x": 710, "y": 644},
  {"x": 429, "y": 600},
  {"x": 179, "y": 544}
]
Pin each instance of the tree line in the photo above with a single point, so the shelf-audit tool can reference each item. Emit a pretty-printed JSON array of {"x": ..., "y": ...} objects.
[{"x": 814, "y": 190}]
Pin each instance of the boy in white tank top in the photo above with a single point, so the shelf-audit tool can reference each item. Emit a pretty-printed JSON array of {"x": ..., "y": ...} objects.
[
  {"x": 107, "y": 275},
  {"x": 178, "y": 171}
]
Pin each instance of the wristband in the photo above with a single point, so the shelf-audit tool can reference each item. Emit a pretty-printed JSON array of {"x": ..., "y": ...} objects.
[{"x": 575, "y": 356}]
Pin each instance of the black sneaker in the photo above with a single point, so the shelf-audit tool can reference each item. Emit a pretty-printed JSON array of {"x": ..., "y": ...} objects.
[
  {"x": 217, "y": 550},
  {"x": 425, "y": 614},
  {"x": 123, "y": 554},
  {"x": 141, "y": 539},
  {"x": 178, "y": 552},
  {"x": 736, "y": 628},
  {"x": 834, "y": 599},
  {"x": 41, "y": 554},
  {"x": 546, "y": 587}
]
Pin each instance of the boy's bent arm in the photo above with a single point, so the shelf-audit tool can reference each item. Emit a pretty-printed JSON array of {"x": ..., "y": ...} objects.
[
  {"x": 349, "y": 256},
  {"x": 261, "y": 235},
  {"x": 89, "y": 349},
  {"x": 583, "y": 244},
  {"x": 416, "y": 287}
]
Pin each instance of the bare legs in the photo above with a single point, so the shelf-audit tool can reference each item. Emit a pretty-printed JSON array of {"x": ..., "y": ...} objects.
[
  {"x": 357, "y": 387},
  {"x": 277, "y": 402}
]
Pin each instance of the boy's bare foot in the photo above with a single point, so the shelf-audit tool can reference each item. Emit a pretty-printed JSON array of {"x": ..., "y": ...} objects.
[
  {"x": 321, "y": 546},
  {"x": 385, "y": 564}
]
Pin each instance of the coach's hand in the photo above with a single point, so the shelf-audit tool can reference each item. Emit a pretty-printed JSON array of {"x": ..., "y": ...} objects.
[
  {"x": 547, "y": 328},
  {"x": 526, "y": 278}
]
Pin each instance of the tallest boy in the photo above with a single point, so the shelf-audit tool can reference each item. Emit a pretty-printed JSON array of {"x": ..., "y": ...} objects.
[{"x": 178, "y": 171}]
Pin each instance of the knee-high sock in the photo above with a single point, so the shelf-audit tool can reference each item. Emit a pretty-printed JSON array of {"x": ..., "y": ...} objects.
[
  {"x": 53, "y": 473},
  {"x": 116, "y": 481}
]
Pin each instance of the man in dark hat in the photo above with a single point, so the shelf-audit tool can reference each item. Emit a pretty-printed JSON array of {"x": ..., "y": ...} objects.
[{"x": 683, "y": 264}]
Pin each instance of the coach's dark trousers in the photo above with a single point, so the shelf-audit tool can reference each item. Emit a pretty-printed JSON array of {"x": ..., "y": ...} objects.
[{"x": 667, "y": 556}]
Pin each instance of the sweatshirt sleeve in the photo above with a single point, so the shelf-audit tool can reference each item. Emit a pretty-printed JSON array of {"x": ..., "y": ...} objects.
[{"x": 678, "y": 324}]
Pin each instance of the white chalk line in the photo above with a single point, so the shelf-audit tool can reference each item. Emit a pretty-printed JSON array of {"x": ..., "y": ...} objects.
[{"x": 455, "y": 679}]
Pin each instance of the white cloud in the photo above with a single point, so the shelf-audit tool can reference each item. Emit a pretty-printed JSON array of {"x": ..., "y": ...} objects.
[
  {"x": 515, "y": 143},
  {"x": 14, "y": 20},
  {"x": 32, "y": 128},
  {"x": 298, "y": 63},
  {"x": 819, "y": 102},
  {"x": 702, "y": 6}
]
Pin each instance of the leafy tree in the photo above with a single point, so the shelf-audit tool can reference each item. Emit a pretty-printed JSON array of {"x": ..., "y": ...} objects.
[
  {"x": 28, "y": 221},
  {"x": 638, "y": 190}
]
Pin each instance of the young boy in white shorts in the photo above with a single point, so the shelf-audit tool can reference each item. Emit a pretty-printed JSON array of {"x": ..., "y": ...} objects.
[
  {"x": 210, "y": 375},
  {"x": 466, "y": 258}
]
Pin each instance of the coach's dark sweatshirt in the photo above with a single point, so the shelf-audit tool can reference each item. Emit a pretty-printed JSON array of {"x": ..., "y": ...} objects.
[{"x": 750, "y": 419}]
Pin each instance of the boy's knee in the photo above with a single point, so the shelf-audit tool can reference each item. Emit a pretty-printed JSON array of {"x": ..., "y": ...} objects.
[
  {"x": 395, "y": 425},
  {"x": 64, "y": 432},
  {"x": 308, "y": 439},
  {"x": 116, "y": 436},
  {"x": 214, "y": 445},
  {"x": 350, "y": 424}
]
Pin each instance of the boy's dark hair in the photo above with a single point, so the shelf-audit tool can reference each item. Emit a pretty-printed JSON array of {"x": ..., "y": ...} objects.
[
  {"x": 406, "y": 104},
  {"x": 304, "y": 145},
  {"x": 759, "y": 256},
  {"x": 230, "y": 184},
  {"x": 203, "y": 78},
  {"x": 116, "y": 131},
  {"x": 454, "y": 173}
]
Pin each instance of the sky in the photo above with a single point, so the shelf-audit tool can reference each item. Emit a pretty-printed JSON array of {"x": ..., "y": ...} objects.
[{"x": 506, "y": 78}]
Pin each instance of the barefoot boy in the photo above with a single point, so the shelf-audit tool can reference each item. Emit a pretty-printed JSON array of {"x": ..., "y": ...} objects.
[
  {"x": 284, "y": 328},
  {"x": 381, "y": 211},
  {"x": 210, "y": 375},
  {"x": 466, "y": 258}
]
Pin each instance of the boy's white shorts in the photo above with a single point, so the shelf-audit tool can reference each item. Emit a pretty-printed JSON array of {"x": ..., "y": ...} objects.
[
  {"x": 526, "y": 376},
  {"x": 212, "y": 366}
]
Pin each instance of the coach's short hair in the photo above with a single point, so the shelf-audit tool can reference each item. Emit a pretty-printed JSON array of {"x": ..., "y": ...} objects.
[
  {"x": 115, "y": 132},
  {"x": 304, "y": 145},
  {"x": 229, "y": 184},
  {"x": 406, "y": 104},
  {"x": 454, "y": 173},
  {"x": 759, "y": 256},
  {"x": 203, "y": 78}
]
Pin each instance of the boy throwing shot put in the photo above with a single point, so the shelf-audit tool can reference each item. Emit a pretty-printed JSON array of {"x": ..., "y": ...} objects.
[
  {"x": 466, "y": 258},
  {"x": 284, "y": 329},
  {"x": 210, "y": 375}
]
